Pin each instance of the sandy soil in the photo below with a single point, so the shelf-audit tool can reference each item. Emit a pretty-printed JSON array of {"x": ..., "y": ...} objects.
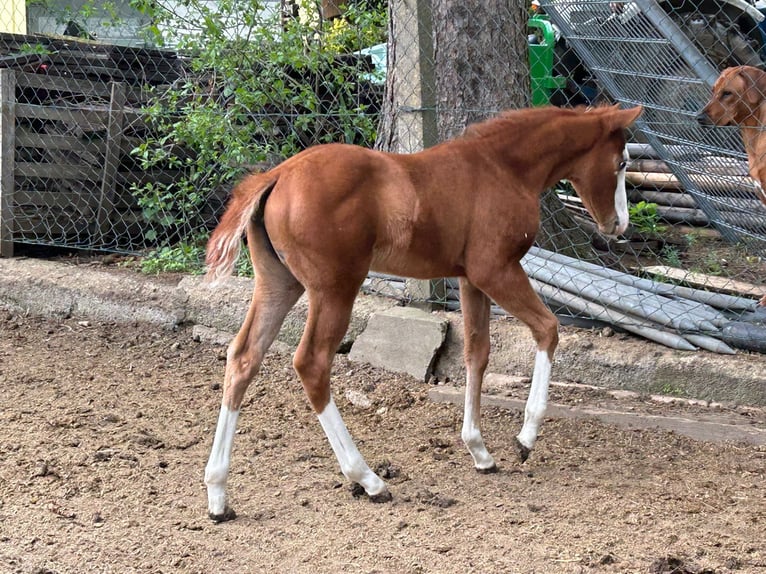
[{"x": 106, "y": 430}]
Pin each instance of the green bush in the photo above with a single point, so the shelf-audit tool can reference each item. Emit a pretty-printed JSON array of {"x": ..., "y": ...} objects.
[{"x": 258, "y": 90}]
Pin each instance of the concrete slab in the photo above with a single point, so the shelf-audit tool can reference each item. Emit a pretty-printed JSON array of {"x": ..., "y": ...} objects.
[
  {"x": 615, "y": 361},
  {"x": 401, "y": 339},
  {"x": 59, "y": 290},
  {"x": 225, "y": 305}
]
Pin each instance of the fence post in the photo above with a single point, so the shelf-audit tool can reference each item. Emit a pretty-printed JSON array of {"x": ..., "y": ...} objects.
[
  {"x": 414, "y": 84},
  {"x": 111, "y": 156},
  {"x": 414, "y": 93},
  {"x": 7, "y": 153}
]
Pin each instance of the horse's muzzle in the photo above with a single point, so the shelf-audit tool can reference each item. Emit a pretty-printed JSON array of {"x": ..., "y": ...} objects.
[{"x": 614, "y": 227}]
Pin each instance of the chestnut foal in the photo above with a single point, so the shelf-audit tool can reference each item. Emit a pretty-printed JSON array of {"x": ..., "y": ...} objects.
[{"x": 467, "y": 208}]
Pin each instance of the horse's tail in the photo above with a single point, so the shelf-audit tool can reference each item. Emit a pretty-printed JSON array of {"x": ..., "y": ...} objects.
[{"x": 225, "y": 242}]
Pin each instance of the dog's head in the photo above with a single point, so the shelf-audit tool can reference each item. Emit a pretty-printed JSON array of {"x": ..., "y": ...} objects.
[{"x": 737, "y": 95}]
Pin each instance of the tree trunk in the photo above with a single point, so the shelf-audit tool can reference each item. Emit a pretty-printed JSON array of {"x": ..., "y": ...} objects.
[
  {"x": 480, "y": 56},
  {"x": 408, "y": 120}
]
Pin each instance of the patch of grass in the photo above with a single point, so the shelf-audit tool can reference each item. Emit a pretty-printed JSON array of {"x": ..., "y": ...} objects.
[
  {"x": 671, "y": 255},
  {"x": 645, "y": 218},
  {"x": 711, "y": 264},
  {"x": 181, "y": 258},
  {"x": 244, "y": 267},
  {"x": 671, "y": 390}
]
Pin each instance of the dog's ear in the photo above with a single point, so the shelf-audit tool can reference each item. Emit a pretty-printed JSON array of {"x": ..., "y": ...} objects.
[
  {"x": 755, "y": 86},
  {"x": 631, "y": 115}
]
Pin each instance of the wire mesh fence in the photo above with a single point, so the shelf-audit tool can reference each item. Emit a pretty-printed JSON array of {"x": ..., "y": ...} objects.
[
  {"x": 123, "y": 127},
  {"x": 114, "y": 144}
]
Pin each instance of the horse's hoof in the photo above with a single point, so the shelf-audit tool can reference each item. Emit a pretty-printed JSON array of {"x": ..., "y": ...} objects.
[
  {"x": 381, "y": 497},
  {"x": 357, "y": 491},
  {"x": 523, "y": 451},
  {"x": 489, "y": 470},
  {"x": 228, "y": 514}
]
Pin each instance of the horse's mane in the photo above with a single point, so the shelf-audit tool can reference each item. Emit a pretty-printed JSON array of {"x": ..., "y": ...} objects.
[{"x": 521, "y": 118}]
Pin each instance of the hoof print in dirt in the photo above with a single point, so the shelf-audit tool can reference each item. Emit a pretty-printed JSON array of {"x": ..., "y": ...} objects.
[
  {"x": 227, "y": 515},
  {"x": 357, "y": 491},
  {"x": 675, "y": 565},
  {"x": 522, "y": 450},
  {"x": 387, "y": 470},
  {"x": 435, "y": 499}
]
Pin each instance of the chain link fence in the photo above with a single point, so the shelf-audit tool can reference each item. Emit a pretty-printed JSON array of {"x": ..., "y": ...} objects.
[
  {"x": 113, "y": 144},
  {"x": 123, "y": 126}
]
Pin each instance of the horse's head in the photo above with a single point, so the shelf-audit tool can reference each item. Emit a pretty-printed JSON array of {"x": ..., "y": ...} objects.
[{"x": 599, "y": 176}]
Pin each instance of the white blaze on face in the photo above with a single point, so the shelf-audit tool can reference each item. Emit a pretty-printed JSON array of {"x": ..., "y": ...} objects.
[{"x": 621, "y": 197}]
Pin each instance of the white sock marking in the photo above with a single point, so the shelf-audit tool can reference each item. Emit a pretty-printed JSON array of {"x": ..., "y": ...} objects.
[
  {"x": 471, "y": 433},
  {"x": 352, "y": 464},
  {"x": 537, "y": 400},
  {"x": 217, "y": 469}
]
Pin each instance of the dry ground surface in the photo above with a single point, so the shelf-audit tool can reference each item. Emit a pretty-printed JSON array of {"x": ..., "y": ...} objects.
[{"x": 106, "y": 430}]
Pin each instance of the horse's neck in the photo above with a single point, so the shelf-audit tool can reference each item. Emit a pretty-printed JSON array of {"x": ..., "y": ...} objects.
[
  {"x": 558, "y": 146},
  {"x": 541, "y": 152}
]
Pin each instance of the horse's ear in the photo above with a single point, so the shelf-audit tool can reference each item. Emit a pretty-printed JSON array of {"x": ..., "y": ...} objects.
[{"x": 621, "y": 119}]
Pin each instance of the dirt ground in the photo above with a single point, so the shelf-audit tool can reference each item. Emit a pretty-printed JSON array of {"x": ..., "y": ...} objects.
[{"x": 106, "y": 431}]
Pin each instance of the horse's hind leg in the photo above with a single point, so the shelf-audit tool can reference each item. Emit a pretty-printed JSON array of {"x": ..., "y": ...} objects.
[
  {"x": 475, "y": 307},
  {"x": 275, "y": 293},
  {"x": 328, "y": 319},
  {"x": 511, "y": 290}
]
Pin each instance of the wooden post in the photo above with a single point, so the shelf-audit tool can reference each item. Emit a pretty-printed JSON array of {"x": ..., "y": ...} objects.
[
  {"x": 414, "y": 84},
  {"x": 112, "y": 158},
  {"x": 7, "y": 153},
  {"x": 415, "y": 99}
]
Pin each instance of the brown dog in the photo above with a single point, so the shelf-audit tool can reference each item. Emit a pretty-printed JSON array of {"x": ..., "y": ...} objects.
[{"x": 739, "y": 99}]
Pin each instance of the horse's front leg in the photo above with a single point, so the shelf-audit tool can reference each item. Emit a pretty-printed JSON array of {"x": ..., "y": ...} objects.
[
  {"x": 475, "y": 306},
  {"x": 510, "y": 288},
  {"x": 537, "y": 402}
]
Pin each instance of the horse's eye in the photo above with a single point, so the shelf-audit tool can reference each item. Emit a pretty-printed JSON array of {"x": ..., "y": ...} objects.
[
  {"x": 726, "y": 94},
  {"x": 622, "y": 165}
]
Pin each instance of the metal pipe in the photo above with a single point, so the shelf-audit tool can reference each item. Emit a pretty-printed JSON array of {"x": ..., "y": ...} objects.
[
  {"x": 701, "y": 309},
  {"x": 636, "y": 326},
  {"x": 656, "y": 308},
  {"x": 713, "y": 301},
  {"x": 710, "y": 344}
]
